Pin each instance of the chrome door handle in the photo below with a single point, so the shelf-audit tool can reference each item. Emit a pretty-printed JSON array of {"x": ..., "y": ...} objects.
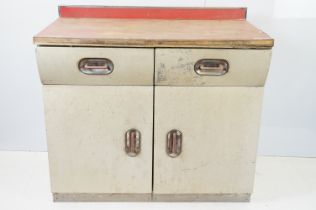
[
  {"x": 96, "y": 66},
  {"x": 132, "y": 142},
  {"x": 174, "y": 143},
  {"x": 211, "y": 67}
]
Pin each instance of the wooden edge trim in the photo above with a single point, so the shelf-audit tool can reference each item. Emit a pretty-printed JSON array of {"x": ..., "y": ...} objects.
[
  {"x": 245, "y": 44},
  {"x": 168, "y": 13}
]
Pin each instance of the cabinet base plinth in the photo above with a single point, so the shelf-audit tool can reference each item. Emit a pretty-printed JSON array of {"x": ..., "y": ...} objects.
[
  {"x": 100, "y": 197},
  {"x": 243, "y": 197}
]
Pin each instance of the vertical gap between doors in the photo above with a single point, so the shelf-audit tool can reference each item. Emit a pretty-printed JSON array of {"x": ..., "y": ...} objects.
[{"x": 153, "y": 130}]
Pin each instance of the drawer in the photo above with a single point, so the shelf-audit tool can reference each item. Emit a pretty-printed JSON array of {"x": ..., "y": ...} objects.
[
  {"x": 99, "y": 66},
  {"x": 211, "y": 67}
]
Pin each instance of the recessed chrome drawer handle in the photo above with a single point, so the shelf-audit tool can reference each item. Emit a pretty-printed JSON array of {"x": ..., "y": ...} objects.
[
  {"x": 174, "y": 143},
  {"x": 132, "y": 142},
  {"x": 96, "y": 66},
  {"x": 211, "y": 67}
]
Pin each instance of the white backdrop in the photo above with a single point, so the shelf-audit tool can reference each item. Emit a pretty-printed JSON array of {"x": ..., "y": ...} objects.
[{"x": 289, "y": 111}]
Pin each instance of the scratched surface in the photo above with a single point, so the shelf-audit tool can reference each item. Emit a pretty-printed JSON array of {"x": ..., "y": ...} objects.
[
  {"x": 175, "y": 67},
  {"x": 220, "y": 128}
]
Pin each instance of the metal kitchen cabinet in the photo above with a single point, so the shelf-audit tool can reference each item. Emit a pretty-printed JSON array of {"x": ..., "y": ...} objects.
[{"x": 140, "y": 105}]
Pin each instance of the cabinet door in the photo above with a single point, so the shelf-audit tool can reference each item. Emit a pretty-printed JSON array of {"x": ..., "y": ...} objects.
[
  {"x": 86, "y": 127},
  {"x": 219, "y": 127}
]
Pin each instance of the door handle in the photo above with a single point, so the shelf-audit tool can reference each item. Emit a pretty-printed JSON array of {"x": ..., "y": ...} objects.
[
  {"x": 174, "y": 143},
  {"x": 132, "y": 142},
  {"x": 96, "y": 66},
  {"x": 211, "y": 67}
]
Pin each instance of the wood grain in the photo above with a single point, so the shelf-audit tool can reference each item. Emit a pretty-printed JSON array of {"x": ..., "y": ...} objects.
[{"x": 153, "y": 33}]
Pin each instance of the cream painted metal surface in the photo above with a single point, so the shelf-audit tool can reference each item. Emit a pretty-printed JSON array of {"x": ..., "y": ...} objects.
[
  {"x": 86, "y": 128},
  {"x": 247, "y": 67},
  {"x": 59, "y": 65},
  {"x": 220, "y": 127}
]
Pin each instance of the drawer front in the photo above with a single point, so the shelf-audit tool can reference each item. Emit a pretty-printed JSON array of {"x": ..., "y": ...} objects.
[
  {"x": 206, "y": 67},
  {"x": 219, "y": 135},
  {"x": 102, "y": 66},
  {"x": 86, "y": 132}
]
